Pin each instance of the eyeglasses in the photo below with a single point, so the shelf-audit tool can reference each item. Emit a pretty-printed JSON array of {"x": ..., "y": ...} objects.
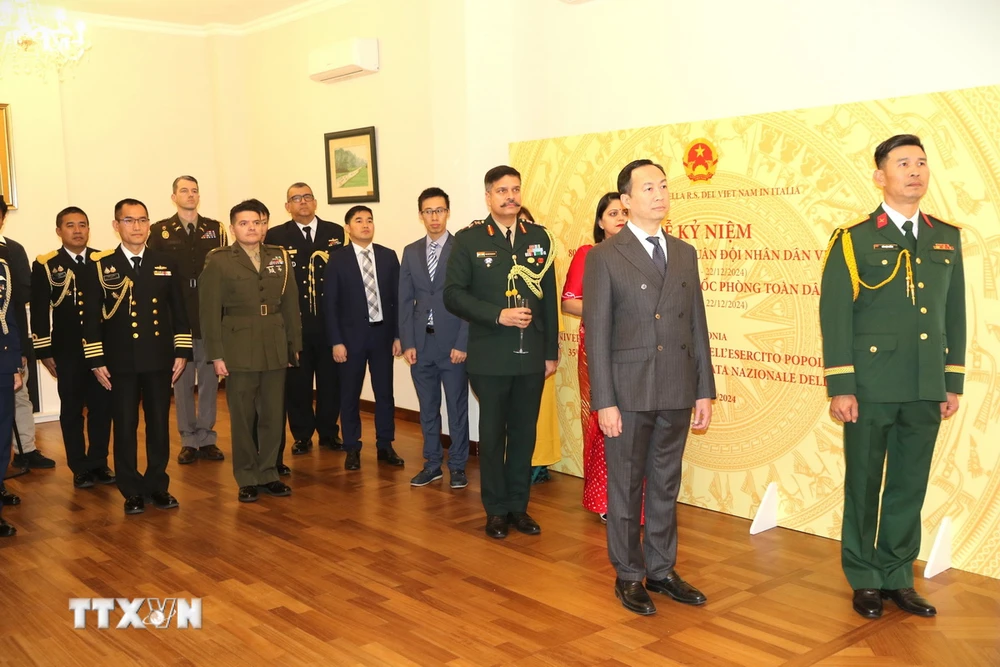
[
  {"x": 133, "y": 221},
  {"x": 301, "y": 198},
  {"x": 431, "y": 212}
]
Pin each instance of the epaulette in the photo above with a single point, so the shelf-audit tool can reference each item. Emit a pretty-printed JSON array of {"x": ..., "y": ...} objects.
[
  {"x": 950, "y": 224},
  {"x": 855, "y": 223},
  {"x": 215, "y": 250},
  {"x": 474, "y": 223},
  {"x": 531, "y": 222},
  {"x": 45, "y": 257},
  {"x": 101, "y": 255},
  {"x": 271, "y": 246}
]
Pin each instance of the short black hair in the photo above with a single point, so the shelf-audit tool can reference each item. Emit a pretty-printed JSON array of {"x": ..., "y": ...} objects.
[
  {"x": 298, "y": 184},
  {"x": 496, "y": 173},
  {"x": 883, "y": 149},
  {"x": 625, "y": 175},
  {"x": 602, "y": 205},
  {"x": 354, "y": 210},
  {"x": 129, "y": 202},
  {"x": 184, "y": 177},
  {"x": 68, "y": 210},
  {"x": 245, "y": 206},
  {"x": 261, "y": 208},
  {"x": 525, "y": 214},
  {"x": 3, "y": 208},
  {"x": 430, "y": 193}
]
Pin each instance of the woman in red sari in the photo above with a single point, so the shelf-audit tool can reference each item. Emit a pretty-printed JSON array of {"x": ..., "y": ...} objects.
[{"x": 608, "y": 221}]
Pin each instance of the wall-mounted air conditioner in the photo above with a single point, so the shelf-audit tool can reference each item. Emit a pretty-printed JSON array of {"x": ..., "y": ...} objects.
[{"x": 350, "y": 58}]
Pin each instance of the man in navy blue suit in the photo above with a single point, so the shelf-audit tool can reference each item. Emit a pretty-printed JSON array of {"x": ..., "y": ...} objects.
[
  {"x": 360, "y": 289},
  {"x": 435, "y": 342},
  {"x": 10, "y": 376}
]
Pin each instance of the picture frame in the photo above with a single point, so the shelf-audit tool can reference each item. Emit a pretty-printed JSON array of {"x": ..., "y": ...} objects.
[
  {"x": 351, "y": 166},
  {"x": 8, "y": 185}
]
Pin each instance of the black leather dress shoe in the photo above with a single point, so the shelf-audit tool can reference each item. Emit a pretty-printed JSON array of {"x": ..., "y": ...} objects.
[
  {"x": 211, "y": 453},
  {"x": 390, "y": 457},
  {"x": 334, "y": 443},
  {"x": 135, "y": 505},
  {"x": 247, "y": 494},
  {"x": 104, "y": 475},
  {"x": 275, "y": 489},
  {"x": 868, "y": 602},
  {"x": 634, "y": 597},
  {"x": 283, "y": 470},
  {"x": 352, "y": 461},
  {"x": 187, "y": 455},
  {"x": 496, "y": 526},
  {"x": 9, "y": 499},
  {"x": 300, "y": 447},
  {"x": 7, "y": 530},
  {"x": 83, "y": 480},
  {"x": 523, "y": 523},
  {"x": 909, "y": 601},
  {"x": 677, "y": 588},
  {"x": 164, "y": 501}
]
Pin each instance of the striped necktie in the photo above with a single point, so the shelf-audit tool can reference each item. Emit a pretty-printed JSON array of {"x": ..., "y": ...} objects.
[
  {"x": 432, "y": 264},
  {"x": 368, "y": 273}
]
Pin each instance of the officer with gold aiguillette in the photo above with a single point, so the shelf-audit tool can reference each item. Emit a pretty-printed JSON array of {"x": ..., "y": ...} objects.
[
  {"x": 494, "y": 262},
  {"x": 892, "y": 312},
  {"x": 253, "y": 333}
]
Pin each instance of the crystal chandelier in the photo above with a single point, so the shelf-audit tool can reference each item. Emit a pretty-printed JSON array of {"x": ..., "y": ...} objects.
[{"x": 37, "y": 40}]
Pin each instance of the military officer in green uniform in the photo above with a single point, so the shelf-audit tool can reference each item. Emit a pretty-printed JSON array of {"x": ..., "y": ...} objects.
[
  {"x": 892, "y": 313},
  {"x": 250, "y": 320},
  {"x": 512, "y": 348}
]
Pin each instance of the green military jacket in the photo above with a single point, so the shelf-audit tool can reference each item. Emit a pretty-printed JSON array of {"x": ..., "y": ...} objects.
[
  {"x": 894, "y": 323},
  {"x": 249, "y": 318},
  {"x": 476, "y": 289}
]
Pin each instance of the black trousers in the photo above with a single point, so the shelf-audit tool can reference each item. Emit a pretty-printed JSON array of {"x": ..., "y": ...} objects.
[
  {"x": 508, "y": 423},
  {"x": 315, "y": 361},
  {"x": 79, "y": 389},
  {"x": 6, "y": 424},
  {"x": 374, "y": 355},
  {"x": 153, "y": 390}
]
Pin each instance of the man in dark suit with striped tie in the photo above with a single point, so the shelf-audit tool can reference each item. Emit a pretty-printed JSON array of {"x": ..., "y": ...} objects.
[
  {"x": 360, "y": 290},
  {"x": 649, "y": 360}
]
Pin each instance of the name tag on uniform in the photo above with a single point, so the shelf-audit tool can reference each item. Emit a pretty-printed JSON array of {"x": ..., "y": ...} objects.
[
  {"x": 886, "y": 246},
  {"x": 942, "y": 246},
  {"x": 161, "y": 271},
  {"x": 485, "y": 253}
]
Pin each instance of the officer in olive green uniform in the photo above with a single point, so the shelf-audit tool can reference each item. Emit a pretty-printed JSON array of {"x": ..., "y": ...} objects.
[
  {"x": 892, "y": 313},
  {"x": 486, "y": 271},
  {"x": 250, "y": 320}
]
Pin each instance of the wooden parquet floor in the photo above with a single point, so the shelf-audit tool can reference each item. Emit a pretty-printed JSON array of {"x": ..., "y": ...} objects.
[{"x": 360, "y": 568}]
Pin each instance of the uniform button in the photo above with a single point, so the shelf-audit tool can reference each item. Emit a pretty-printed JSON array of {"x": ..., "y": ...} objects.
[
  {"x": 946, "y": 350},
  {"x": 642, "y": 286},
  {"x": 133, "y": 302},
  {"x": 154, "y": 299},
  {"x": 657, "y": 316},
  {"x": 884, "y": 262},
  {"x": 680, "y": 315},
  {"x": 135, "y": 324},
  {"x": 79, "y": 292},
  {"x": 920, "y": 285},
  {"x": 923, "y": 336},
  {"x": 155, "y": 311},
  {"x": 155, "y": 322},
  {"x": 135, "y": 314},
  {"x": 684, "y": 284},
  {"x": 659, "y": 348},
  {"x": 514, "y": 257},
  {"x": 156, "y": 333},
  {"x": 261, "y": 288},
  {"x": 947, "y": 261},
  {"x": 81, "y": 312},
  {"x": 684, "y": 346},
  {"x": 135, "y": 335},
  {"x": 262, "y": 299},
  {"x": 918, "y": 260},
  {"x": 873, "y": 349},
  {"x": 923, "y": 310}
]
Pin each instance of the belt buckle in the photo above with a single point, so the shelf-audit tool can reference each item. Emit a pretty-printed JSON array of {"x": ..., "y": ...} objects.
[{"x": 263, "y": 309}]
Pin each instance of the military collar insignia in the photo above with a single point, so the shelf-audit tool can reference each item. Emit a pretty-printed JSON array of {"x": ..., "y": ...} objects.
[
  {"x": 926, "y": 219},
  {"x": 882, "y": 220},
  {"x": 520, "y": 226}
]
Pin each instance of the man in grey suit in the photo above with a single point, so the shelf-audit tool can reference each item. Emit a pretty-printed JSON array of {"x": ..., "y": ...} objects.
[
  {"x": 649, "y": 360},
  {"x": 435, "y": 342}
]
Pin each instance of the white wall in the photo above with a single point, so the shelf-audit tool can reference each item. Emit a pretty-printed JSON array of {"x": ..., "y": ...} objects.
[{"x": 459, "y": 81}]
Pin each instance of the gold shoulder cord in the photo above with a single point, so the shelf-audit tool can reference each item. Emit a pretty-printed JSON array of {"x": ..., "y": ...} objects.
[
  {"x": 852, "y": 266},
  {"x": 6, "y": 297},
  {"x": 69, "y": 278},
  {"x": 124, "y": 285},
  {"x": 284, "y": 284},
  {"x": 323, "y": 255},
  {"x": 531, "y": 279}
]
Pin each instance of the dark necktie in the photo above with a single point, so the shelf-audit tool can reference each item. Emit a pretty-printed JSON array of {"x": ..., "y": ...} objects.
[
  {"x": 911, "y": 240},
  {"x": 136, "y": 261},
  {"x": 80, "y": 260},
  {"x": 190, "y": 229},
  {"x": 510, "y": 237},
  {"x": 309, "y": 235},
  {"x": 659, "y": 259}
]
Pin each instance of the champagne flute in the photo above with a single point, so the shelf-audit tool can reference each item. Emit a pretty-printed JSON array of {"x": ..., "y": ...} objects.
[{"x": 520, "y": 302}]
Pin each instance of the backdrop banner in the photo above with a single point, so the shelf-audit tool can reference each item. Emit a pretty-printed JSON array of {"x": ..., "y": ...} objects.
[{"x": 759, "y": 196}]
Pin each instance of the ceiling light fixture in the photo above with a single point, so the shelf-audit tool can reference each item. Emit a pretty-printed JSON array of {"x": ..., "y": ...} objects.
[{"x": 37, "y": 40}]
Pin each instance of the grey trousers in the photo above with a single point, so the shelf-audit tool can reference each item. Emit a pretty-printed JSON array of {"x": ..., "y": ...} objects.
[
  {"x": 197, "y": 430},
  {"x": 650, "y": 447},
  {"x": 24, "y": 416}
]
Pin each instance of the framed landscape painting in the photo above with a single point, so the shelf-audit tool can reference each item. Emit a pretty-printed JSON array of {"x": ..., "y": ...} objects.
[
  {"x": 8, "y": 188},
  {"x": 351, "y": 166}
]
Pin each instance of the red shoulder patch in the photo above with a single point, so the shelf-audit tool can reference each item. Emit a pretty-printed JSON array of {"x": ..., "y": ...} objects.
[{"x": 882, "y": 221}]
